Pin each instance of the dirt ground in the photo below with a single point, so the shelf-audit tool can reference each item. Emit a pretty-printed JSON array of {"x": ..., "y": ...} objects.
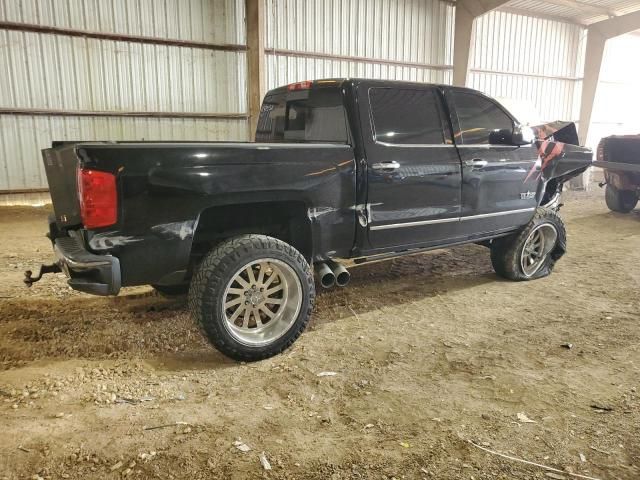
[{"x": 434, "y": 358}]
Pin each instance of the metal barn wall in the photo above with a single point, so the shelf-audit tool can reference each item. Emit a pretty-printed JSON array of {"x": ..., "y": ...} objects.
[
  {"x": 390, "y": 39},
  {"x": 617, "y": 101},
  {"x": 535, "y": 63},
  {"x": 61, "y": 85}
]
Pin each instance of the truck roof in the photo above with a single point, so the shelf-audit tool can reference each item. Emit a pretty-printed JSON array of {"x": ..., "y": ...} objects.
[{"x": 339, "y": 82}]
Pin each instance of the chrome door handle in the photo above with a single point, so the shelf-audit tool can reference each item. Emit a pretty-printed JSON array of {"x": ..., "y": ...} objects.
[
  {"x": 386, "y": 166},
  {"x": 476, "y": 162}
]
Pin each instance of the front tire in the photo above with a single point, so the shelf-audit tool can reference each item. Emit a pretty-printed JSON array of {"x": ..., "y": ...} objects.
[
  {"x": 532, "y": 252},
  {"x": 622, "y": 201},
  {"x": 252, "y": 296}
]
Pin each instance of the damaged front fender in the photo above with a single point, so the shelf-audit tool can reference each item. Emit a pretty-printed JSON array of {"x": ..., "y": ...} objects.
[{"x": 560, "y": 157}]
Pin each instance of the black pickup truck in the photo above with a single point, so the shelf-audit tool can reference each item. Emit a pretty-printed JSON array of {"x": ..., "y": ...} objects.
[{"x": 343, "y": 170}]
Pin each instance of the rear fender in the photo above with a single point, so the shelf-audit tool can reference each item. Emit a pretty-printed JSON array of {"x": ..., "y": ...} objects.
[{"x": 286, "y": 219}]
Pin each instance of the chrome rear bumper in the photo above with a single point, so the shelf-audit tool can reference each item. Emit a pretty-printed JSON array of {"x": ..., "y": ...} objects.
[{"x": 87, "y": 272}]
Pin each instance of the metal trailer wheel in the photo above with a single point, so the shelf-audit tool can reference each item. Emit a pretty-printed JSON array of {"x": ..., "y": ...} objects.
[{"x": 622, "y": 201}]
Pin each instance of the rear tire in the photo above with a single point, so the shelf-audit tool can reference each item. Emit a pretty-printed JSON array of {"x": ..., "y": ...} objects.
[
  {"x": 252, "y": 296},
  {"x": 532, "y": 252},
  {"x": 622, "y": 201}
]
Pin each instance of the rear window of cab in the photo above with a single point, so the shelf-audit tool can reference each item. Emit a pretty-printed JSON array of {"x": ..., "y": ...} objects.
[{"x": 315, "y": 115}]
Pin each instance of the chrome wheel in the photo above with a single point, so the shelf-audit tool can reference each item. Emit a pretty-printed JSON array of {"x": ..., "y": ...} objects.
[
  {"x": 262, "y": 301},
  {"x": 539, "y": 244}
]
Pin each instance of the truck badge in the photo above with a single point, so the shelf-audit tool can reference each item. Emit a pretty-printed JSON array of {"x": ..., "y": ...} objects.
[{"x": 527, "y": 195}]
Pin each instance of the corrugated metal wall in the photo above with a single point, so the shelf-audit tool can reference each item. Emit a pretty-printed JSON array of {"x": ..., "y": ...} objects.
[
  {"x": 54, "y": 71},
  {"x": 394, "y": 39},
  {"x": 215, "y": 21},
  {"x": 532, "y": 63},
  {"x": 535, "y": 62},
  {"x": 617, "y": 102}
]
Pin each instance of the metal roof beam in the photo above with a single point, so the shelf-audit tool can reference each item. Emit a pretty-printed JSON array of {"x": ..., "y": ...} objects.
[
  {"x": 546, "y": 16},
  {"x": 582, "y": 7},
  {"x": 479, "y": 7},
  {"x": 614, "y": 27}
]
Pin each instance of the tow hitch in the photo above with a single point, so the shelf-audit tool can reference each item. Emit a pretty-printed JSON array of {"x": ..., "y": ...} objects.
[{"x": 29, "y": 279}]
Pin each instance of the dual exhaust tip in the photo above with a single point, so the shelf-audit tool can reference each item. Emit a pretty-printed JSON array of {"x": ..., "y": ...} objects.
[{"x": 331, "y": 273}]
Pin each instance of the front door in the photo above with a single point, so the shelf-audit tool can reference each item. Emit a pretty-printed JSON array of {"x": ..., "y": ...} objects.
[
  {"x": 498, "y": 192},
  {"x": 413, "y": 169}
]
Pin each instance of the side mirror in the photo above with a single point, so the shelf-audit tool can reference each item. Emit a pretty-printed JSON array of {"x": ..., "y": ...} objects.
[
  {"x": 501, "y": 137},
  {"x": 523, "y": 135},
  {"x": 516, "y": 137}
]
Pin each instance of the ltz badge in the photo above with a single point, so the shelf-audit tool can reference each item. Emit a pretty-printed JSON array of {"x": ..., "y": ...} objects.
[{"x": 527, "y": 195}]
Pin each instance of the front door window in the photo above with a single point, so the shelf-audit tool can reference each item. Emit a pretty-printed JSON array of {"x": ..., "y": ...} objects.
[{"x": 478, "y": 118}]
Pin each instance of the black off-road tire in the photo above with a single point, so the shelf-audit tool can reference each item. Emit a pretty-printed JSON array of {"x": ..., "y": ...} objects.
[
  {"x": 172, "y": 290},
  {"x": 215, "y": 272},
  {"x": 622, "y": 201},
  {"x": 506, "y": 252}
]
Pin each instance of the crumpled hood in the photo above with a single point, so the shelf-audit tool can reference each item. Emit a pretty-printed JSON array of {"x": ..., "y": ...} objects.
[
  {"x": 565, "y": 132},
  {"x": 560, "y": 155}
]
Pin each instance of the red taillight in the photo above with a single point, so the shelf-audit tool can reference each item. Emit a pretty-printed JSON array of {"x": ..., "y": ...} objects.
[
  {"x": 98, "y": 198},
  {"x": 300, "y": 85}
]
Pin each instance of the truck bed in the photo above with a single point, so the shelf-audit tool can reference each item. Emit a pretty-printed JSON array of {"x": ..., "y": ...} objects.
[{"x": 164, "y": 188}]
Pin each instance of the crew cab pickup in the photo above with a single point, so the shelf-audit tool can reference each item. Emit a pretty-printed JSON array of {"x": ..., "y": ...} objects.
[
  {"x": 619, "y": 156},
  {"x": 343, "y": 171}
]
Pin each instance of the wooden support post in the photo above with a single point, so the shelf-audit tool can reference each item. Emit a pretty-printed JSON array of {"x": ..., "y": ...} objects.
[
  {"x": 462, "y": 45},
  {"x": 256, "y": 85},
  {"x": 466, "y": 12},
  {"x": 592, "y": 64}
]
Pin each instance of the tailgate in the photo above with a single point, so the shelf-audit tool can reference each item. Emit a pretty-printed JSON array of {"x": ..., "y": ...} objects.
[
  {"x": 61, "y": 165},
  {"x": 623, "y": 150}
]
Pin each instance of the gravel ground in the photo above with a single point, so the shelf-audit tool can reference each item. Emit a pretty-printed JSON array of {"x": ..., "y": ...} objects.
[{"x": 435, "y": 359}]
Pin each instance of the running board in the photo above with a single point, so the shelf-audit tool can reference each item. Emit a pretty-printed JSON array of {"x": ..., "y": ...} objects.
[{"x": 414, "y": 251}]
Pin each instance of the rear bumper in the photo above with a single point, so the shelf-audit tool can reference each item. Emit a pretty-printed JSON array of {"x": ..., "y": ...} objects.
[
  {"x": 87, "y": 272},
  {"x": 623, "y": 176}
]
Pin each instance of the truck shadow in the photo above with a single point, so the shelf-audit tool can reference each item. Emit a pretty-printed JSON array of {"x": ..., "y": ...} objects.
[
  {"x": 141, "y": 324},
  {"x": 404, "y": 280}
]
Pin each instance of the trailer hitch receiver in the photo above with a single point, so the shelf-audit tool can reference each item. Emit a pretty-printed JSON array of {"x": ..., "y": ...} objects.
[{"x": 29, "y": 279}]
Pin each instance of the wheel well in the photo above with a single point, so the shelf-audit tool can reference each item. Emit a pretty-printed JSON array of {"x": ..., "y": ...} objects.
[
  {"x": 553, "y": 186},
  {"x": 287, "y": 221}
]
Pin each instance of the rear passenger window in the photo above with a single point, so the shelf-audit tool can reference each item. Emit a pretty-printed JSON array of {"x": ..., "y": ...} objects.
[
  {"x": 406, "y": 116},
  {"x": 478, "y": 117},
  {"x": 313, "y": 115}
]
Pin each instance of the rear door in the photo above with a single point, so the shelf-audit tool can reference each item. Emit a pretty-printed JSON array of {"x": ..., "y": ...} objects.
[
  {"x": 497, "y": 191},
  {"x": 413, "y": 169}
]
